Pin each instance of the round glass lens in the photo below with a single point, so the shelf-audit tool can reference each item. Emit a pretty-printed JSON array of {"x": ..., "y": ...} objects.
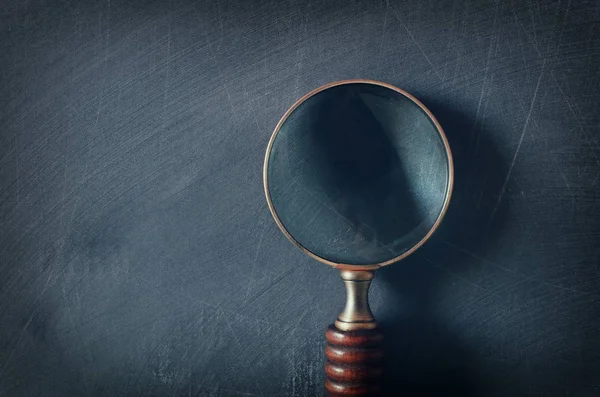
[{"x": 358, "y": 174}]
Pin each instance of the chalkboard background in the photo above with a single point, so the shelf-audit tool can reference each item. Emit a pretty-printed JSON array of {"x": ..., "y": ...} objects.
[{"x": 137, "y": 254}]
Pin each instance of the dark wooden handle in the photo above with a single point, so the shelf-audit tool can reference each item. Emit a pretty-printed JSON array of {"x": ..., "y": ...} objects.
[{"x": 353, "y": 365}]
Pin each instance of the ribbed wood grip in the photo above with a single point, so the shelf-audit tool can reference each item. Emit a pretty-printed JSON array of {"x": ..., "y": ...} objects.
[{"x": 353, "y": 366}]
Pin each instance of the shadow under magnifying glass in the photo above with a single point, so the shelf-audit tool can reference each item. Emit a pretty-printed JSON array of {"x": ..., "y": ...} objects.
[{"x": 423, "y": 357}]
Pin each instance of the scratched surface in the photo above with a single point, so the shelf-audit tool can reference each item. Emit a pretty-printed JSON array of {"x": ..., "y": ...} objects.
[{"x": 137, "y": 255}]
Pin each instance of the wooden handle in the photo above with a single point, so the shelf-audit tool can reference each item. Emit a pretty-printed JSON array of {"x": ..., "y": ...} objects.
[{"x": 353, "y": 365}]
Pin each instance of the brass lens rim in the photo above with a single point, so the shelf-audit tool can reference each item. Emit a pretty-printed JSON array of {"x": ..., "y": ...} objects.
[{"x": 348, "y": 266}]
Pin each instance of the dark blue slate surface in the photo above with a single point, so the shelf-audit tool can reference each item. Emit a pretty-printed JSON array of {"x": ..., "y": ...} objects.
[{"x": 137, "y": 254}]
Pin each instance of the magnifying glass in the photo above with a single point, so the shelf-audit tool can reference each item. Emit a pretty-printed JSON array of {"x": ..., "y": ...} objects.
[{"x": 358, "y": 174}]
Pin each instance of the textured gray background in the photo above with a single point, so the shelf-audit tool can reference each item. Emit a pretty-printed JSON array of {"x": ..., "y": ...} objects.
[{"x": 137, "y": 255}]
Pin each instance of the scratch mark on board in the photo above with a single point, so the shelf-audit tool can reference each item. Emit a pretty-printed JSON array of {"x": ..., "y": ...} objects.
[
  {"x": 24, "y": 329},
  {"x": 387, "y": 8},
  {"x": 16, "y": 154},
  {"x": 417, "y": 44},
  {"x": 256, "y": 122},
  {"x": 589, "y": 138},
  {"x": 562, "y": 29},
  {"x": 166, "y": 91},
  {"x": 254, "y": 262},
  {"x": 237, "y": 341},
  {"x": 595, "y": 179},
  {"x": 568, "y": 187},
  {"x": 33, "y": 313},
  {"x": 443, "y": 269},
  {"x": 487, "y": 67},
  {"x": 514, "y": 159},
  {"x": 271, "y": 285},
  {"x": 517, "y": 273},
  {"x": 229, "y": 100},
  {"x": 532, "y": 40},
  {"x": 535, "y": 38}
]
